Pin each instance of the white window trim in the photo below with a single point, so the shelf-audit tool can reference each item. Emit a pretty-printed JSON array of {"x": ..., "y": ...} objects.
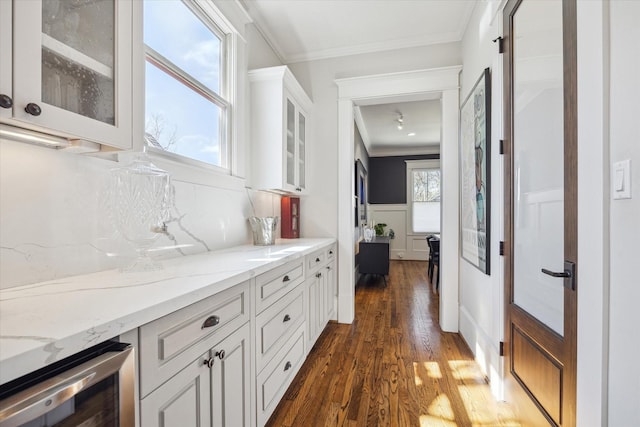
[{"x": 419, "y": 164}]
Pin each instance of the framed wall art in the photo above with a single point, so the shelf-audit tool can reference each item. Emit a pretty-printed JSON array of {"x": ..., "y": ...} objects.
[{"x": 475, "y": 207}]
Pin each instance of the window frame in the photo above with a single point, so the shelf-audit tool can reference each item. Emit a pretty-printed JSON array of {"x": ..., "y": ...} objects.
[
  {"x": 412, "y": 165},
  {"x": 224, "y": 100}
]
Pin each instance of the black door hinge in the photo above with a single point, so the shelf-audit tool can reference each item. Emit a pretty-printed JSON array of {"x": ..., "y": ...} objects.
[
  {"x": 501, "y": 146},
  {"x": 501, "y": 348},
  {"x": 500, "y": 41},
  {"x": 501, "y": 248}
]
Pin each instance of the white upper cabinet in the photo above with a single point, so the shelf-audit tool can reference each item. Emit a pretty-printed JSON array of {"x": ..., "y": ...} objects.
[
  {"x": 280, "y": 115},
  {"x": 67, "y": 68}
]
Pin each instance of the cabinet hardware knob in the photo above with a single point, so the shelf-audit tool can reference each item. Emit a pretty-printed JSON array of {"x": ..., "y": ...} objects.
[
  {"x": 328, "y": 268},
  {"x": 6, "y": 101},
  {"x": 318, "y": 275},
  {"x": 220, "y": 354},
  {"x": 211, "y": 321},
  {"x": 330, "y": 252},
  {"x": 286, "y": 318},
  {"x": 298, "y": 189},
  {"x": 209, "y": 362},
  {"x": 285, "y": 279},
  {"x": 33, "y": 109},
  {"x": 317, "y": 259},
  {"x": 287, "y": 366}
]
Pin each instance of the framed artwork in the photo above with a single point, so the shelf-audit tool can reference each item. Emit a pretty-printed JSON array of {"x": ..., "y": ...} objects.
[
  {"x": 360, "y": 194},
  {"x": 475, "y": 156}
]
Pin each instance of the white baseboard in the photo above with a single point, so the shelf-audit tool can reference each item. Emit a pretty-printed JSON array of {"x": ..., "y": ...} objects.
[{"x": 485, "y": 351}]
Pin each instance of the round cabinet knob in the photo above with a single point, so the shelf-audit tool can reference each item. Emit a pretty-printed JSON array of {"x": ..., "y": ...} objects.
[
  {"x": 209, "y": 362},
  {"x": 6, "y": 101},
  {"x": 33, "y": 109},
  {"x": 287, "y": 366},
  {"x": 220, "y": 354},
  {"x": 286, "y": 318}
]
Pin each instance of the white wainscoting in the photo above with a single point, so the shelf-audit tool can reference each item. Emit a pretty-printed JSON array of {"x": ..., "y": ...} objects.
[{"x": 404, "y": 245}]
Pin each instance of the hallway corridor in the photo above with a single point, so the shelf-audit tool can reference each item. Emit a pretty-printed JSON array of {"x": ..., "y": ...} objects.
[{"x": 392, "y": 367}]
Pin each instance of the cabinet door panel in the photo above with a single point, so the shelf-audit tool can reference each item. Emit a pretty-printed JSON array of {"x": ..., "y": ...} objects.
[
  {"x": 77, "y": 70},
  {"x": 230, "y": 386},
  {"x": 183, "y": 400}
]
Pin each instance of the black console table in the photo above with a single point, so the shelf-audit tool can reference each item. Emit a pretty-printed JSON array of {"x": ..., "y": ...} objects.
[{"x": 374, "y": 256}]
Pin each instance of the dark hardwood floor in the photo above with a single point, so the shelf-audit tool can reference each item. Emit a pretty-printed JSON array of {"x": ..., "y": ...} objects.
[{"x": 392, "y": 367}]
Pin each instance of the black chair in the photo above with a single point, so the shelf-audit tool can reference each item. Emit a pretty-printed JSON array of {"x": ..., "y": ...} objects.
[{"x": 434, "y": 258}]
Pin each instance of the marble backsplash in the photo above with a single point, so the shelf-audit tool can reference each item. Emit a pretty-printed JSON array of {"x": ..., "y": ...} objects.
[{"x": 55, "y": 218}]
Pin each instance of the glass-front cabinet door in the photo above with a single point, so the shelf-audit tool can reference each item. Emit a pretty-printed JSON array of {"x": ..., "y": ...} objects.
[
  {"x": 295, "y": 140},
  {"x": 290, "y": 150},
  {"x": 72, "y": 68},
  {"x": 302, "y": 136}
]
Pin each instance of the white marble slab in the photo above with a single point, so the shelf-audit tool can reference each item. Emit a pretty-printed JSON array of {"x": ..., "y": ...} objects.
[{"x": 45, "y": 322}]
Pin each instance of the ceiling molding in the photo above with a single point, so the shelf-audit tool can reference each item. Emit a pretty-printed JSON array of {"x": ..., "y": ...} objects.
[
  {"x": 405, "y": 151},
  {"x": 451, "y": 37}
]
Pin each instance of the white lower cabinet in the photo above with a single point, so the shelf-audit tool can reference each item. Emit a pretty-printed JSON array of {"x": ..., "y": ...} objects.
[
  {"x": 227, "y": 360},
  {"x": 213, "y": 390},
  {"x": 321, "y": 292},
  {"x": 274, "y": 379}
]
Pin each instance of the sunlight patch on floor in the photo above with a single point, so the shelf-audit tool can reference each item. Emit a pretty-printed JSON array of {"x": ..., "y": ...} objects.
[
  {"x": 465, "y": 370},
  {"x": 431, "y": 421},
  {"x": 441, "y": 408}
]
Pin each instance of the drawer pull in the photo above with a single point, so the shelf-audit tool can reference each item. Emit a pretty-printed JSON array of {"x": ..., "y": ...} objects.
[
  {"x": 286, "y": 318},
  {"x": 287, "y": 366},
  {"x": 318, "y": 275},
  {"x": 211, "y": 321},
  {"x": 317, "y": 259},
  {"x": 285, "y": 279},
  {"x": 220, "y": 354},
  {"x": 209, "y": 362},
  {"x": 330, "y": 252}
]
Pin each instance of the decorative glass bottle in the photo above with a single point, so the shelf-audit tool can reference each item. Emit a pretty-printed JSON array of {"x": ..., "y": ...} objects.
[{"x": 141, "y": 200}]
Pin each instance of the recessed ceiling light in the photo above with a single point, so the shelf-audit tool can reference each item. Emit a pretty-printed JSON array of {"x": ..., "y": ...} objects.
[{"x": 411, "y": 134}]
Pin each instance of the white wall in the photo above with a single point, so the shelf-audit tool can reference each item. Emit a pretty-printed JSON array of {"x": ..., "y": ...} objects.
[
  {"x": 624, "y": 340},
  {"x": 481, "y": 295}
]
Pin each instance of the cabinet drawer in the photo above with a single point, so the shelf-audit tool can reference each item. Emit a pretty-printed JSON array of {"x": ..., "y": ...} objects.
[
  {"x": 276, "y": 377},
  {"x": 171, "y": 342},
  {"x": 275, "y": 283},
  {"x": 276, "y": 324},
  {"x": 315, "y": 260}
]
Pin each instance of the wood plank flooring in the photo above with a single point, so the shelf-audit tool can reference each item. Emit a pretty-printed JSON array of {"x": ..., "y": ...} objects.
[{"x": 392, "y": 367}]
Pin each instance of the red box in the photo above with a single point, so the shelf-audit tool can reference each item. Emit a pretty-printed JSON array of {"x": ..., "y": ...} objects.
[{"x": 290, "y": 212}]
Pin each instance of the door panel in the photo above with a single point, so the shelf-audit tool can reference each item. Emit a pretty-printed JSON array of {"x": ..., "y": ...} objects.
[
  {"x": 538, "y": 159},
  {"x": 540, "y": 210}
]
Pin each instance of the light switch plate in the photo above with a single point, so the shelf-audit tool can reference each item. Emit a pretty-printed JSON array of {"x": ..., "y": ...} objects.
[{"x": 621, "y": 179}]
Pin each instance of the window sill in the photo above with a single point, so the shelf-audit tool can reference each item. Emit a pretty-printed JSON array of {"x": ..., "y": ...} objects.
[{"x": 190, "y": 171}]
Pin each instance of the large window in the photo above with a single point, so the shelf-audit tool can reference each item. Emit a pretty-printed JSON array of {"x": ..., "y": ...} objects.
[
  {"x": 423, "y": 179},
  {"x": 186, "y": 99}
]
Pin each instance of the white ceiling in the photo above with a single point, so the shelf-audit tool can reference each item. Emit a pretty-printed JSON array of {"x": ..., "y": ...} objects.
[
  {"x": 420, "y": 126},
  {"x": 305, "y": 30}
]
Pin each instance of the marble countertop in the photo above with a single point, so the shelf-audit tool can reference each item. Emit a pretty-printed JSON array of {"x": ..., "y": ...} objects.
[{"x": 45, "y": 322}]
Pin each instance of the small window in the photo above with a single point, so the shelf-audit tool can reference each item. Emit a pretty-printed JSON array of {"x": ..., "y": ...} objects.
[
  {"x": 186, "y": 105},
  {"x": 424, "y": 197}
]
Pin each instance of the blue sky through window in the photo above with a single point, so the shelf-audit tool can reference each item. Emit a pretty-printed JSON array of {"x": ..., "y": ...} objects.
[{"x": 181, "y": 119}]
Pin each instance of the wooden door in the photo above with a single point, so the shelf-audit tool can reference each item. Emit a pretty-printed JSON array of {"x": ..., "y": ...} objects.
[{"x": 540, "y": 210}]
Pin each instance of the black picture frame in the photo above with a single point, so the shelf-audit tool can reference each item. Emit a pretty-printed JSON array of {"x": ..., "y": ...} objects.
[
  {"x": 360, "y": 194},
  {"x": 475, "y": 174}
]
